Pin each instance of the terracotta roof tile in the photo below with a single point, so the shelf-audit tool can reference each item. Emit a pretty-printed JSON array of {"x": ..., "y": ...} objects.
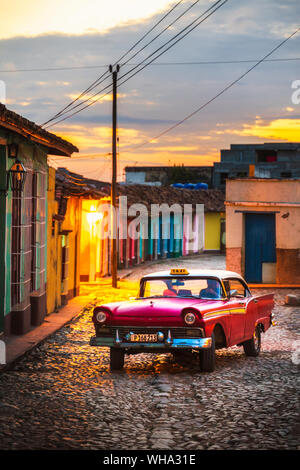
[
  {"x": 76, "y": 185},
  {"x": 16, "y": 123}
]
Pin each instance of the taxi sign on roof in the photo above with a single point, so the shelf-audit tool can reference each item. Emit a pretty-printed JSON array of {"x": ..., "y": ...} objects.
[{"x": 179, "y": 271}]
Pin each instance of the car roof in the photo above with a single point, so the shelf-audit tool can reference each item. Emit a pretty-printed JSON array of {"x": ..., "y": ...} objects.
[{"x": 217, "y": 273}]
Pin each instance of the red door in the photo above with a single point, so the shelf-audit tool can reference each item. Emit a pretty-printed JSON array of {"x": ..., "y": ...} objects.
[
  {"x": 251, "y": 317},
  {"x": 237, "y": 320}
]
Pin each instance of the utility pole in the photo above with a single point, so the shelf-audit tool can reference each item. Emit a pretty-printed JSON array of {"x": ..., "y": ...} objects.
[{"x": 114, "y": 257}]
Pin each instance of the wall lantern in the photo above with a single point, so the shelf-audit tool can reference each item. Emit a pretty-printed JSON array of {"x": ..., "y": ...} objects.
[
  {"x": 15, "y": 178},
  {"x": 13, "y": 150}
]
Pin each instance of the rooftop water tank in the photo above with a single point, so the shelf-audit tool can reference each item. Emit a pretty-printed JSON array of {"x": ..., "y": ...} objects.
[{"x": 201, "y": 186}]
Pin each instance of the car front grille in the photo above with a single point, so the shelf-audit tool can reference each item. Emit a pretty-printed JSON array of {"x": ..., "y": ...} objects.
[{"x": 179, "y": 332}]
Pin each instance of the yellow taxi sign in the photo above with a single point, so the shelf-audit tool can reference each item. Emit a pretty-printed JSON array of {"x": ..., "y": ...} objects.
[{"x": 179, "y": 271}]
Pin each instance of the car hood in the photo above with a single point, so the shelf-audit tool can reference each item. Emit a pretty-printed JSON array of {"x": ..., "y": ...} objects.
[{"x": 153, "y": 311}]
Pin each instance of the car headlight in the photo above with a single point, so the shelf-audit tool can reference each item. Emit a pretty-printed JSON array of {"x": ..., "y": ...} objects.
[
  {"x": 101, "y": 316},
  {"x": 190, "y": 318}
]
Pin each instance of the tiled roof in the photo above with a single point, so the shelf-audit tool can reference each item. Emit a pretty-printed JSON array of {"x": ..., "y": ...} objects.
[
  {"x": 213, "y": 199},
  {"x": 16, "y": 123},
  {"x": 73, "y": 184}
]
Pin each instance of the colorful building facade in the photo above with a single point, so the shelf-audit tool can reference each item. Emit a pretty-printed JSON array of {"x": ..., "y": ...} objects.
[
  {"x": 214, "y": 231},
  {"x": 23, "y": 220},
  {"x": 79, "y": 213},
  {"x": 263, "y": 230},
  {"x": 151, "y": 243}
]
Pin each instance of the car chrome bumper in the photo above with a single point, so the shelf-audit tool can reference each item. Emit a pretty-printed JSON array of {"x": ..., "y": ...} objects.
[{"x": 176, "y": 343}]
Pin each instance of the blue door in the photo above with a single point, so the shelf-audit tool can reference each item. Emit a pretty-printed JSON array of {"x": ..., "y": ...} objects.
[{"x": 260, "y": 245}]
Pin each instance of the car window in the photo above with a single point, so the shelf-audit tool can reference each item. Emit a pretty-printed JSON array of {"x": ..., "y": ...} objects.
[
  {"x": 236, "y": 288},
  {"x": 203, "y": 288}
]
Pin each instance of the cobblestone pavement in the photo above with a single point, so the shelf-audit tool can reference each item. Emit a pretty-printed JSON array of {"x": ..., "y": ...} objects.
[{"x": 62, "y": 395}]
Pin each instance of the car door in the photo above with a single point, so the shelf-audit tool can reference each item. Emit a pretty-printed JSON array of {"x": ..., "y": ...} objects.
[{"x": 238, "y": 295}]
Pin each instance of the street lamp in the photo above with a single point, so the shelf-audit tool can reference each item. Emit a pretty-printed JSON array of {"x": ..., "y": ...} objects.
[{"x": 15, "y": 178}]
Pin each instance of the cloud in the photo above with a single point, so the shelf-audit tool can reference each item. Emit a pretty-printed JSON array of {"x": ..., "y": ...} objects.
[
  {"x": 35, "y": 18},
  {"x": 161, "y": 95},
  {"x": 278, "y": 129}
]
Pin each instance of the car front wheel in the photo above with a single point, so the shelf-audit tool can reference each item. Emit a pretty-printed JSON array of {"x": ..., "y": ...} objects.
[
  {"x": 207, "y": 357},
  {"x": 252, "y": 346},
  {"x": 116, "y": 359}
]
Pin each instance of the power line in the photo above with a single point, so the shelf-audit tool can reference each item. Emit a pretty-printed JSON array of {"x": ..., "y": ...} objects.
[
  {"x": 220, "y": 93},
  {"x": 97, "y": 82},
  {"x": 195, "y": 23},
  {"x": 76, "y": 112},
  {"x": 179, "y": 39},
  {"x": 92, "y": 156},
  {"x": 192, "y": 25},
  {"x": 150, "y": 31},
  {"x": 216, "y": 62},
  {"x": 203, "y": 62},
  {"x": 216, "y": 5},
  {"x": 77, "y": 106},
  {"x": 161, "y": 32},
  {"x": 105, "y": 75}
]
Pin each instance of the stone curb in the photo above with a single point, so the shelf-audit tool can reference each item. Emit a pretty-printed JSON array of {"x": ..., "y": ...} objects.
[{"x": 18, "y": 346}]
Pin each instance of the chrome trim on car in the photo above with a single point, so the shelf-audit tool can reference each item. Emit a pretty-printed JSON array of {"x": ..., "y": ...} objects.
[
  {"x": 176, "y": 343},
  {"x": 169, "y": 339},
  {"x": 176, "y": 332},
  {"x": 117, "y": 339}
]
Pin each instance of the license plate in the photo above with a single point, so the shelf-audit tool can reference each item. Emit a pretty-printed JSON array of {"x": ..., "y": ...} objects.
[{"x": 143, "y": 338}]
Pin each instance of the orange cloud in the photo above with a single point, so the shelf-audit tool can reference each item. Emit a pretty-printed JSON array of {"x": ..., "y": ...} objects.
[
  {"x": 278, "y": 129},
  {"x": 86, "y": 137},
  {"x": 93, "y": 97}
]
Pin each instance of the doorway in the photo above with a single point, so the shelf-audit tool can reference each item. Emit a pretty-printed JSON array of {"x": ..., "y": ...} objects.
[{"x": 260, "y": 245}]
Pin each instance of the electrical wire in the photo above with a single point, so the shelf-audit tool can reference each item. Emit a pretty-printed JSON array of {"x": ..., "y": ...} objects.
[
  {"x": 150, "y": 55},
  {"x": 161, "y": 32},
  {"x": 218, "y": 4},
  {"x": 97, "y": 82},
  {"x": 203, "y": 62},
  {"x": 218, "y": 94},
  {"x": 57, "y": 115},
  {"x": 104, "y": 76},
  {"x": 194, "y": 24},
  {"x": 150, "y": 31}
]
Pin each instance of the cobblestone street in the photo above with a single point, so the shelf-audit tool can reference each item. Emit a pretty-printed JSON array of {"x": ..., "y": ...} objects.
[{"x": 62, "y": 395}]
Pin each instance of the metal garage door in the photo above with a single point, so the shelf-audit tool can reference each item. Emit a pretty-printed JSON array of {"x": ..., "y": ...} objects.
[{"x": 260, "y": 244}]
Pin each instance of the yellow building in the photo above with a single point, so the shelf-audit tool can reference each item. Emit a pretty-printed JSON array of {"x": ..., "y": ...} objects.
[
  {"x": 94, "y": 247},
  {"x": 214, "y": 230},
  {"x": 53, "y": 251},
  {"x": 63, "y": 244}
]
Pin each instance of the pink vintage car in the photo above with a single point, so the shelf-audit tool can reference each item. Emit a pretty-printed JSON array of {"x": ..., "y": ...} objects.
[{"x": 184, "y": 310}]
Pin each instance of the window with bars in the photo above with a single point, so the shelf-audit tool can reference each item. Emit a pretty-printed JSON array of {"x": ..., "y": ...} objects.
[
  {"x": 16, "y": 247},
  {"x": 33, "y": 232}
]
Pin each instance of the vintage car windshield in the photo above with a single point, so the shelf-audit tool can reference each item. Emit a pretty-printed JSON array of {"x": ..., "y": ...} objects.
[{"x": 200, "y": 287}]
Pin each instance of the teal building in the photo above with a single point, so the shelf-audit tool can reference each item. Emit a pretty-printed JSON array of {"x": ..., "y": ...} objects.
[{"x": 24, "y": 148}]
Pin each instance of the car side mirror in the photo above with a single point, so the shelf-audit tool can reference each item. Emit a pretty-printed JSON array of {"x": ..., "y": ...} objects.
[{"x": 232, "y": 293}]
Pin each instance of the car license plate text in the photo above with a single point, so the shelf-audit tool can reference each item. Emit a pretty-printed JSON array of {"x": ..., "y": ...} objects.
[{"x": 143, "y": 338}]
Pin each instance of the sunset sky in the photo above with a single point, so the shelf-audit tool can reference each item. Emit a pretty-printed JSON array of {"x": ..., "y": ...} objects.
[{"x": 71, "y": 33}]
